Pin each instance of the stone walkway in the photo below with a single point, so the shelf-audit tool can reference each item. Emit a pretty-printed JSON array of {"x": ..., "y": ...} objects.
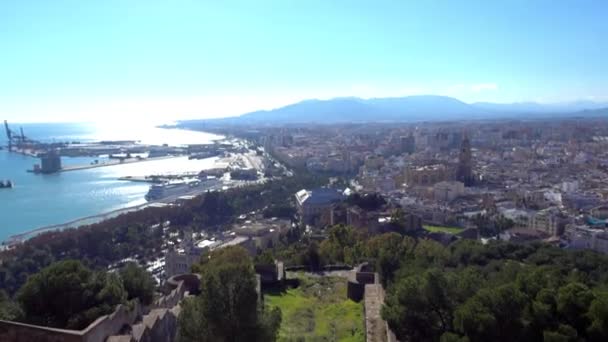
[{"x": 375, "y": 326}]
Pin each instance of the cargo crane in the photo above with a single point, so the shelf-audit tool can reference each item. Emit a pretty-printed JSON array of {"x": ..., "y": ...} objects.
[
  {"x": 14, "y": 138},
  {"x": 9, "y": 135}
]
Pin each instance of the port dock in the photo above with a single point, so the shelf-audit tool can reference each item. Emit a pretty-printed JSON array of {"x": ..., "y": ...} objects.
[
  {"x": 104, "y": 164},
  {"x": 157, "y": 179},
  {"x": 113, "y": 163},
  {"x": 120, "y": 152}
]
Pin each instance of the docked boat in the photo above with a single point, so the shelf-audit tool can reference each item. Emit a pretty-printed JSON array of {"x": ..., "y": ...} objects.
[
  {"x": 176, "y": 189},
  {"x": 6, "y": 184},
  {"x": 160, "y": 191}
]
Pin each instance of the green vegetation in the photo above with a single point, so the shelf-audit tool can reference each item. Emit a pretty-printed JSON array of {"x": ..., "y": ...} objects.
[
  {"x": 281, "y": 210},
  {"x": 497, "y": 292},
  {"x": 140, "y": 234},
  {"x": 9, "y": 310},
  {"x": 464, "y": 292},
  {"x": 440, "y": 229},
  {"x": 367, "y": 202},
  {"x": 489, "y": 227},
  {"x": 138, "y": 283},
  {"x": 318, "y": 310},
  {"x": 227, "y": 309},
  {"x": 474, "y": 292},
  {"x": 69, "y": 295},
  {"x": 347, "y": 245},
  {"x": 137, "y": 234}
]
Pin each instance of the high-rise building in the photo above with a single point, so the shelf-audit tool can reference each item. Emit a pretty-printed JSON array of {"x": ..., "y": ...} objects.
[{"x": 464, "y": 171}]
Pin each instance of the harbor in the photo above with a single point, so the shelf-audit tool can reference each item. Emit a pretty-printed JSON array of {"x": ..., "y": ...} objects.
[
  {"x": 157, "y": 196},
  {"x": 115, "y": 152},
  {"x": 85, "y": 187},
  {"x": 104, "y": 164},
  {"x": 46, "y": 199},
  {"x": 92, "y": 219}
]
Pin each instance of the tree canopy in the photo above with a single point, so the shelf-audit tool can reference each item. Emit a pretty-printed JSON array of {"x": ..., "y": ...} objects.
[
  {"x": 69, "y": 295},
  {"x": 140, "y": 234},
  {"x": 497, "y": 292},
  {"x": 227, "y": 310},
  {"x": 138, "y": 283}
]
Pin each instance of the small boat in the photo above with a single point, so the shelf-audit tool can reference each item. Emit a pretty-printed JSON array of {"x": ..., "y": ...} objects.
[{"x": 6, "y": 184}]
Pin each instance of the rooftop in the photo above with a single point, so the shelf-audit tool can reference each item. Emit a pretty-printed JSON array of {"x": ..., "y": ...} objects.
[{"x": 319, "y": 196}]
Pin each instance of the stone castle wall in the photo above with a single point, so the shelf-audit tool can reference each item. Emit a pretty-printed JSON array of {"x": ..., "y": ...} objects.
[
  {"x": 97, "y": 331},
  {"x": 159, "y": 324}
]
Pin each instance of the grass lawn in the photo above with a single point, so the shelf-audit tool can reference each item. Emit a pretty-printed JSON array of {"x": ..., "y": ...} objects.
[
  {"x": 449, "y": 230},
  {"x": 318, "y": 310}
]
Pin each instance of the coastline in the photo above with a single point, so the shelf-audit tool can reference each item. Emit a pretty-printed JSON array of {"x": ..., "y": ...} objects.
[
  {"x": 17, "y": 239},
  {"x": 76, "y": 223},
  {"x": 242, "y": 159},
  {"x": 238, "y": 160},
  {"x": 82, "y": 191}
]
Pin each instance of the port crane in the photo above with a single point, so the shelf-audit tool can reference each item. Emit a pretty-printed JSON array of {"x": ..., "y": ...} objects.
[{"x": 16, "y": 138}]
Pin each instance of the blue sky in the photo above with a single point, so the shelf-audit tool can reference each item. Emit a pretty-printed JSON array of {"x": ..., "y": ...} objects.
[{"x": 165, "y": 60}]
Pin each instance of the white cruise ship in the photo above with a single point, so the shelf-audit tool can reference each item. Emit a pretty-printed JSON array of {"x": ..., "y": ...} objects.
[{"x": 160, "y": 191}]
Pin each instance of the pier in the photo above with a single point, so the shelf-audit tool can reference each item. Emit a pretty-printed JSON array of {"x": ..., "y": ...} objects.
[
  {"x": 114, "y": 163},
  {"x": 163, "y": 178},
  {"x": 120, "y": 152}
]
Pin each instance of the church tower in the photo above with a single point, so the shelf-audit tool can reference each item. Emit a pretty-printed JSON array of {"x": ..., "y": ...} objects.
[
  {"x": 187, "y": 243},
  {"x": 464, "y": 172}
]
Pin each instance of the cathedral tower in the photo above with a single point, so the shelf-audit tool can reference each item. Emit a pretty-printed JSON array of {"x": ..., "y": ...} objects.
[{"x": 464, "y": 172}]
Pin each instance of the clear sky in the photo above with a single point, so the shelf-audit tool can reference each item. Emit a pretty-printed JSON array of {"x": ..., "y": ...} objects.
[{"x": 164, "y": 60}]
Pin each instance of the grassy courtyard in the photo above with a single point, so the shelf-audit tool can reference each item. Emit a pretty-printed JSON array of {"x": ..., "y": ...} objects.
[
  {"x": 318, "y": 310},
  {"x": 449, "y": 230}
]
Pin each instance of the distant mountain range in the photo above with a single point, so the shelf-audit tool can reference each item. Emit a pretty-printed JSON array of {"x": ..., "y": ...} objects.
[
  {"x": 533, "y": 107},
  {"x": 403, "y": 109}
]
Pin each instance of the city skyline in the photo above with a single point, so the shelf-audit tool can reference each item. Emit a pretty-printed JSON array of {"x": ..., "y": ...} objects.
[
  {"x": 70, "y": 61},
  {"x": 273, "y": 170}
]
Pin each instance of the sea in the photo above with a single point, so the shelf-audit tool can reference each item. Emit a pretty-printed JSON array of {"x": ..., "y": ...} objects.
[{"x": 37, "y": 201}]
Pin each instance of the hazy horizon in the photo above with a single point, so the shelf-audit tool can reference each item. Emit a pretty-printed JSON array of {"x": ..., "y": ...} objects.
[
  {"x": 67, "y": 61},
  {"x": 152, "y": 122}
]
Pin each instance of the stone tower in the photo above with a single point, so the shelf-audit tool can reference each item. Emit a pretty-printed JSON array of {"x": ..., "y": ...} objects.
[
  {"x": 187, "y": 243},
  {"x": 464, "y": 172}
]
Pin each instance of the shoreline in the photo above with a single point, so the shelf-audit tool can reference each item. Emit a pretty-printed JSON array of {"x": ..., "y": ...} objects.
[
  {"x": 240, "y": 159},
  {"x": 75, "y": 223},
  {"x": 17, "y": 239}
]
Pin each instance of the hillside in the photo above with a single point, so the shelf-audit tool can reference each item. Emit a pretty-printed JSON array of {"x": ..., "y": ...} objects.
[{"x": 400, "y": 109}]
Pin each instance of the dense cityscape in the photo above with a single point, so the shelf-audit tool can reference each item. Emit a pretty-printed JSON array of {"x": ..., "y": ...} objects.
[
  {"x": 303, "y": 171},
  {"x": 511, "y": 180},
  {"x": 359, "y": 207}
]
